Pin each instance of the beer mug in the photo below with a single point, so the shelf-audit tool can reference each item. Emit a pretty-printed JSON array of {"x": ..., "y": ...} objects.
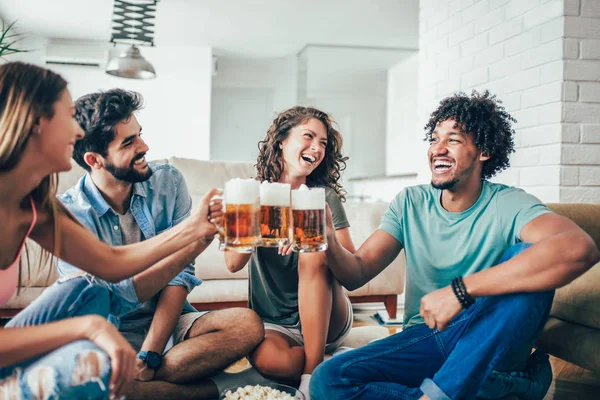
[
  {"x": 308, "y": 214},
  {"x": 240, "y": 230},
  {"x": 221, "y": 239},
  {"x": 275, "y": 218}
]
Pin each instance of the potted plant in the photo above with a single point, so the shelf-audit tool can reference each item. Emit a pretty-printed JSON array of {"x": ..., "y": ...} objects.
[{"x": 8, "y": 40}]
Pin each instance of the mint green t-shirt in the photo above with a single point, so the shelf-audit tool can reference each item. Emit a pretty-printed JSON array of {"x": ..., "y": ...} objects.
[{"x": 440, "y": 245}]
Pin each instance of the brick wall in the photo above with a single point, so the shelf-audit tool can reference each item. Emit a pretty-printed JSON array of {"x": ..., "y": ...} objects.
[
  {"x": 580, "y": 162},
  {"x": 542, "y": 58}
]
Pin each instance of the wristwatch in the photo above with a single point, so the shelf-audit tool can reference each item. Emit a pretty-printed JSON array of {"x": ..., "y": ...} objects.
[{"x": 151, "y": 358}]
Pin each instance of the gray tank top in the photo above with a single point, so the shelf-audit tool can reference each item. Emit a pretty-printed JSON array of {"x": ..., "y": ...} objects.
[{"x": 273, "y": 279}]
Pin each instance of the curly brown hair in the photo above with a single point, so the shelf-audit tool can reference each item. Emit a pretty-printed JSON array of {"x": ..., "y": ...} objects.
[
  {"x": 483, "y": 115},
  {"x": 269, "y": 164}
]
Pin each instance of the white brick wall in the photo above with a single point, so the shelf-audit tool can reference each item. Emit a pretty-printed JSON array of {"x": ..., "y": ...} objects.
[
  {"x": 542, "y": 58},
  {"x": 581, "y": 111}
]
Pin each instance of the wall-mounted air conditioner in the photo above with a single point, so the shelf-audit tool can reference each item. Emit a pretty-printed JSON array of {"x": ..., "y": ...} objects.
[{"x": 94, "y": 54}]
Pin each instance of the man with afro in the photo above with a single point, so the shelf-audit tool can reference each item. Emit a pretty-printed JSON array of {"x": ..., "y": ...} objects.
[{"x": 482, "y": 262}]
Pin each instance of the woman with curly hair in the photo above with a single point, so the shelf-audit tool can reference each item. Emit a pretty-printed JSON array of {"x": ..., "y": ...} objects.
[{"x": 305, "y": 310}]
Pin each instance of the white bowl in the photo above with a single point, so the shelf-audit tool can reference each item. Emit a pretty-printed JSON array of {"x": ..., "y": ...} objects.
[{"x": 298, "y": 395}]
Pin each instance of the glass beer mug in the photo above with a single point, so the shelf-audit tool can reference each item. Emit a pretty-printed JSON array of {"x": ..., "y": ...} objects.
[
  {"x": 240, "y": 230},
  {"x": 275, "y": 217},
  {"x": 308, "y": 212}
]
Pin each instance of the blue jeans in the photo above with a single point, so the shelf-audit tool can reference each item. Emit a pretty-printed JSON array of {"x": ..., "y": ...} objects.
[
  {"x": 57, "y": 372},
  {"x": 496, "y": 333}
]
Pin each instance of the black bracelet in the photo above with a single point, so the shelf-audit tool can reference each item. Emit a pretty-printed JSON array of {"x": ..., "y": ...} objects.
[
  {"x": 470, "y": 300},
  {"x": 460, "y": 291},
  {"x": 468, "y": 297},
  {"x": 457, "y": 293}
]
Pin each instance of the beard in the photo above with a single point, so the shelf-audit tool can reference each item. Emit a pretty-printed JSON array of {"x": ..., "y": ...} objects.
[
  {"x": 451, "y": 184},
  {"x": 445, "y": 185},
  {"x": 128, "y": 174}
]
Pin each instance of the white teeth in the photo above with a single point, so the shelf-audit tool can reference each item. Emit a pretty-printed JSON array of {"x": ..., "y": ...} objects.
[
  {"x": 141, "y": 160},
  {"x": 442, "y": 164},
  {"x": 309, "y": 158}
]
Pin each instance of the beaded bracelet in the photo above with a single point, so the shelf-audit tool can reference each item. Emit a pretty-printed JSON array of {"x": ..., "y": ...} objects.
[{"x": 460, "y": 291}]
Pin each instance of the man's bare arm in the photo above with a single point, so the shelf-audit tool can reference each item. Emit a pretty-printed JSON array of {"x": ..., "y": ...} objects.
[
  {"x": 168, "y": 311},
  {"x": 152, "y": 280},
  {"x": 561, "y": 252},
  {"x": 354, "y": 270}
]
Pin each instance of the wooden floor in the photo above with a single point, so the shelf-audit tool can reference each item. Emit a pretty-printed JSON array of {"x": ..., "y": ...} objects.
[{"x": 572, "y": 382}]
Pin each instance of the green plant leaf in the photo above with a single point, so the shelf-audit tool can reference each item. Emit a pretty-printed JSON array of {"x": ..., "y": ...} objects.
[{"x": 8, "y": 40}]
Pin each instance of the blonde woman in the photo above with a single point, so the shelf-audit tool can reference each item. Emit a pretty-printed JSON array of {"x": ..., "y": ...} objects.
[{"x": 73, "y": 352}]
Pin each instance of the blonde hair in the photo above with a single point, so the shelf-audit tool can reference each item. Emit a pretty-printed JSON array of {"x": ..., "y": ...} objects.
[{"x": 27, "y": 93}]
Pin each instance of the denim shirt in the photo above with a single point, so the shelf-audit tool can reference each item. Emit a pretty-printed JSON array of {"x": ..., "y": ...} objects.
[{"x": 157, "y": 204}]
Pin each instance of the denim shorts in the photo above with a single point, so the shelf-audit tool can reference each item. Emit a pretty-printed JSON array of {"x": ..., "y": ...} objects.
[
  {"x": 185, "y": 322},
  {"x": 295, "y": 332}
]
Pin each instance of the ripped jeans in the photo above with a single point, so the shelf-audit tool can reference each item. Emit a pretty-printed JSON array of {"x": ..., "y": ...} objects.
[{"x": 77, "y": 370}]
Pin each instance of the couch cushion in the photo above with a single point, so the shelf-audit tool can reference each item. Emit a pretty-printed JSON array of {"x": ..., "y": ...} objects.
[
  {"x": 210, "y": 264},
  {"x": 584, "y": 215},
  {"x": 37, "y": 272},
  {"x": 364, "y": 219},
  {"x": 220, "y": 290},
  {"x": 201, "y": 176},
  {"x": 572, "y": 342},
  {"x": 24, "y": 297},
  {"x": 579, "y": 301}
]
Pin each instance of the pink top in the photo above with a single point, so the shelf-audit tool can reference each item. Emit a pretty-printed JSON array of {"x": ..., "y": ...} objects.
[{"x": 9, "y": 276}]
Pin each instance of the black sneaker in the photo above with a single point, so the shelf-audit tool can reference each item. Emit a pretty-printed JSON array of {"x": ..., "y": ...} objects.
[{"x": 530, "y": 384}]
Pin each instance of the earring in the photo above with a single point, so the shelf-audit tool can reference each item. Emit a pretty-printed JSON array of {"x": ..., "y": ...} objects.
[
  {"x": 37, "y": 131},
  {"x": 280, "y": 146}
]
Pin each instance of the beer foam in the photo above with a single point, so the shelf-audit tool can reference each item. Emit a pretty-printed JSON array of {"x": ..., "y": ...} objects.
[
  {"x": 242, "y": 191},
  {"x": 308, "y": 199},
  {"x": 274, "y": 194}
]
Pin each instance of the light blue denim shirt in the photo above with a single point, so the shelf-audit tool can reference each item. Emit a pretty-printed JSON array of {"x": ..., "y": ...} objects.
[{"x": 156, "y": 205}]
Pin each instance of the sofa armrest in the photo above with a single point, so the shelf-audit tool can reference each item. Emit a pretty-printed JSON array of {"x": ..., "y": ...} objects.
[
  {"x": 579, "y": 301},
  {"x": 574, "y": 343}
]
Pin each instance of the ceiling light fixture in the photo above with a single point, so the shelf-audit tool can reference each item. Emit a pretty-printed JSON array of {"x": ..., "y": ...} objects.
[{"x": 133, "y": 23}]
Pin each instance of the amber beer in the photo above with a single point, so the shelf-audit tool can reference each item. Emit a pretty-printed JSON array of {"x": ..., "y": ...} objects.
[
  {"x": 308, "y": 212},
  {"x": 241, "y": 220},
  {"x": 275, "y": 227}
]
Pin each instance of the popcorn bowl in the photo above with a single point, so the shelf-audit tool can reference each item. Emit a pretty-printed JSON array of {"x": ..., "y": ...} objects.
[{"x": 261, "y": 392}]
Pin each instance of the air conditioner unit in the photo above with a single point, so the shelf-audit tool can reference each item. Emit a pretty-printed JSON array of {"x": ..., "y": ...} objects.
[{"x": 93, "y": 54}]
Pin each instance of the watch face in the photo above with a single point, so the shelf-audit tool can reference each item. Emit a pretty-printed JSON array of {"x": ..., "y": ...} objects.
[{"x": 153, "y": 360}]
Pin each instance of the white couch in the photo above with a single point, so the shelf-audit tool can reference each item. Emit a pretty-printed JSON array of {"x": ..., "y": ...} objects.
[{"x": 220, "y": 287}]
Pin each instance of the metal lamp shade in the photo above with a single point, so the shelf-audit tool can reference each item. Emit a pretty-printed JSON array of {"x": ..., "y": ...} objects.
[{"x": 131, "y": 65}]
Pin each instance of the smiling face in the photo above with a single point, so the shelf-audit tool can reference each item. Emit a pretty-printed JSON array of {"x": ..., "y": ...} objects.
[
  {"x": 304, "y": 148},
  {"x": 58, "y": 134},
  {"x": 454, "y": 158},
  {"x": 126, "y": 159}
]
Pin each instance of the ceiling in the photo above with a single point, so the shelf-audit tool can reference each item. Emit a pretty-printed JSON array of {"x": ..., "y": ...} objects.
[{"x": 236, "y": 28}]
